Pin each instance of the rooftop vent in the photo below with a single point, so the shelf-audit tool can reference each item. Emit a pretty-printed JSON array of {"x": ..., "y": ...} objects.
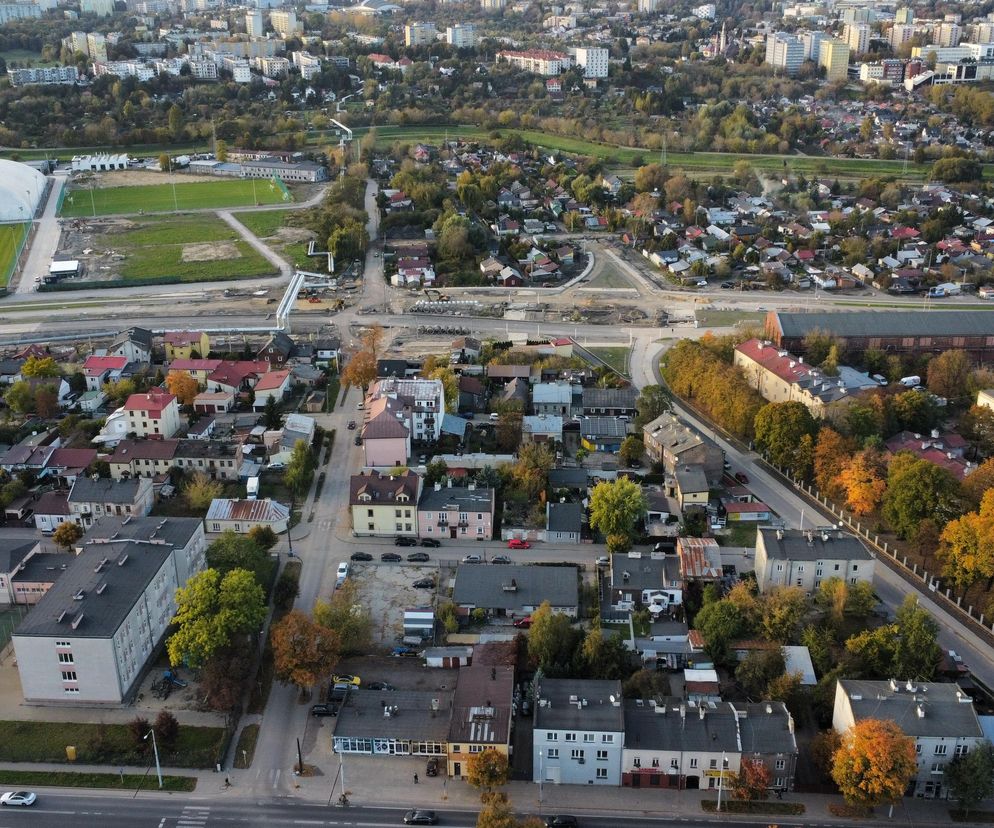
[
  {"x": 101, "y": 588},
  {"x": 920, "y": 710},
  {"x": 122, "y": 560},
  {"x": 77, "y": 621},
  {"x": 894, "y": 686}
]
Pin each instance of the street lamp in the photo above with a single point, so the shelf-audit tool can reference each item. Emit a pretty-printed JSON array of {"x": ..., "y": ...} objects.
[
  {"x": 155, "y": 749},
  {"x": 541, "y": 777},
  {"x": 721, "y": 778}
]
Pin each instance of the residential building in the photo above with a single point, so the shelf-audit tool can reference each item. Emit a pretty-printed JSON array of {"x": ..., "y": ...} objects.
[
  {"x": 271, "y": 67},
  {"x": 948, "y": 34},
  {"x": 609, "y": 402},
  {"x": 461, "y": 35},
  {"x": 13, "y": 553},
  {"x": 274, "y": 384},
  {"x": 578, "y": 732},
  {"x": 102, "y": 369},
  {"x": 593, "y": 60},
  {"x": 103, "y": 8},
  {"x": 648, "y": 5},
  {"x": 481, "y": 714},
  {"x": 153, "y": 414},
  {"x": 904, "y": 15},
  {"x": 385, "y": 433},
  {"x": 88, "y": 639},
  {"x": 147, "y": 458},
  {"x": 670, "y": 442},
  {"x": 563, "y": 522},
  {"x": 985, "y": 398},
  {"x": 939, "y": 717},
  {"x": 255, "y": 24},
  {"x": 394, "y": 723},
  {"x": 542, "y": 428},
  {"x": 384, "y": 505},
  {"x": 135, "y": 344},
  {"x": 44, "y": 75},
  {"x": 50, "y": 510},
  {"x": 650, "y": 581},
  {"x": 293, "y": 171},
  {"x": 901, "y": 33},
  {"x": 308, "y": 64},
  {"x": 812, "y": 43},
  {"x": 791, "y": 557},
  {"x": 456, "y": 512},
  {"x": 515, "y": 590},
  {"x": 89, "y": 499},
  {"x": 492, "y": 5},
  {"x": 423, "y": 403},
  {"x": 217, "y": 459},
  {"x": 419, "y": 34},
  {"x": 857, "y": 35},
  {"x": 242, "y": 516},
  {"x": 833, "y": 55},
  {"x": 18, "y": 11},
  {"x": 781, "y": 377},
  {"x": 700, "y": 559},
  {"x": 186, "y": 345},
  {"x": 96, "y": 46},
  {"x": 538, "y": 61},
  {"x": 552, "y": 398},
  {"x": 284, "y": 22},
  {"x": 784, "y": 51},
  {"x": 239, "y": 68},
  {"x": 213, "y": 402}
]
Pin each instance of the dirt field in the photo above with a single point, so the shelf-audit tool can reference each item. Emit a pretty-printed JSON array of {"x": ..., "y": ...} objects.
[
  {"x": 139, "y": 178},
  {"x": 209, "y": 252},
  {"x": 386, "y": 590}
]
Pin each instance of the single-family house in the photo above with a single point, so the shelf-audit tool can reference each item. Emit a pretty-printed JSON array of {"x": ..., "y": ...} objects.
[
  {"x": 275, "y": 384},
  {"x": 186, "y": 344},
  {"x": 515, "y": 590},
  {"x": 153, "y": 414},
  {"x": 563, "y": 522},
  {"x": 456, "y": 512},
  {"x": 672, "y": 443},
  {"x": 90, "y": 500},
  {"x": 481, "y": 714},
  {"x": 242, "y": 516},
  {"x": 135, "y": 344},
  {"x": 98, "y": 370},
  {"x": 384, "y": 505}
]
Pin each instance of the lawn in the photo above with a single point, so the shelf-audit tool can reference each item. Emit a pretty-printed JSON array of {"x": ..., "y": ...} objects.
[
  {"x": 105, "y": 744},
  {"x": 25, "y": 58},
  {"x": 728, "y": 318},
  {"x": 155, "y": 249},
  {"x": 159, "y": 198},
  {"x": 11, "y": 237},
  {"x": 71, "y": 779},
  {"x": 616, "y": 357},
  {"x": 263, "y": 223},
  {"x": 245, "y": 752}
]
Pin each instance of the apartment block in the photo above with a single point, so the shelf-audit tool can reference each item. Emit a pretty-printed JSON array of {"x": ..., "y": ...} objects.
[
  {"x": 461, "y": 36},
  {"x": 833, "y": 55},
  {"x": 593, "y": 61},
  {"x": 419, "y": 34},
  {"x": 857, "y": 35},
  {"x": 790, "y": 557},
  {"x": 539, "y": 61},
  {"x": 285, "y": 23},
  {"x": 784, "y": 51},
  {"x": 51, "y": 74},
  {"x": 255, "y": 24}
]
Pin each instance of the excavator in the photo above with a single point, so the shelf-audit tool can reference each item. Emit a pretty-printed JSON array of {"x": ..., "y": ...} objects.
[{"x": 435, "y": 295}]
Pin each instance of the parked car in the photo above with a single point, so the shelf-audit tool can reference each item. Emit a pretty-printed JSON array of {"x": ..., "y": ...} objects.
[
  {"x": 603, "y": 560},
  {"x": 523, "y": 623},
  {"x": 424, "y": 583},
  {"x": 432, "y": 767},
  {"x": 346, "y": 678},
  {"x": 352, "y": 425},
  {"x": 431, "y": 543},
  {"x": 404, "y": 652},
  {"x": 471, "y": 559},
  {"x": 418, "y": 816},
  {"x": 403, "y": 540},
  {"x": 390, "y": 557},
  {"x": 500, "y": 559},
  {"x": 517, "y": 543},
  {"x": 360, "y": 556},
  {"x": 741, "y": 477},
  {"x": 358, "y": 440},
  {"x": 18, "y": 798},
  {"x": 560, "y": 821},
  {"x": 418, "y": 557},
  {"x": 379, "y": 685},
  {"x": 321, "y": 710}
]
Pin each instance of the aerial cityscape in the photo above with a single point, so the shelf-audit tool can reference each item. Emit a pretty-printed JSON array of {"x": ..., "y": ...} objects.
[{"x": 496, "y": 413}]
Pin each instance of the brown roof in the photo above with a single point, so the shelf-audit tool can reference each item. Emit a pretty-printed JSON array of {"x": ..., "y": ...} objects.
[
  {"x": 481, "y": 705},
  {"x": 70, "y": 458},
  {"x": 383, "y": 488},
  {"x": 128, "y": 450},
  {"x": 499, "y": 653},
  {"x": 52, "y": 503},
  {"x": 383, "y": 422},
  {"x": 509, "y": 371},
  {"x": 699, "y": 558}
]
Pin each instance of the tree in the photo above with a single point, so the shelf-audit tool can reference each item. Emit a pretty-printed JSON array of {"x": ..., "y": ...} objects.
[
  {"x": 552, "y": 641},
  {"x": 232, "y": 551},
  {"x": 531, "y": 472},
  {"x": 753, "y": 780},
  {"x": 719, "y": 623},
  {"x": 450, "y": 386},
  {"x": 138, "y": 728},
  {"x": 779, "y": 429},
  {"x": 46, "y": 401},
  {"x": 20, "y": 397},
  {"x": 970, "y": 778},
  {"x": 175, "y": 121},
  {"x": 977, "y": 484},
  {"x": 165, "y": 162},
  {"x": 977, "y": 427},
  {"x": 758, "y": 669},
  {"x": 200, "y": 490},
  {"x": 223, "y": 676},
  {"x": 840, "y": 599},
  {"x": 496, "y": 813},
  {"x": 917, "y": 653},
  {"x": 874, "y": 763},
  {"x": 650, "y": 403},
  {"x": 40, "y": 367},
  {"x": 183, "y": 386},
  {"x": 508, "y": 430},
  {"x": 221, "y": 150},
  {"x": 949, "y": 374},
  {"x": 918, "y": 489},
  {"x": 783, "y": 611},
  {"x": 166, "y": 730},
  {"x": 487, "y": 770},
  {"x": 348, "y": 241},
  {"x": 604, "y": 657},
  {"x": 435, "y": 472},
  {"x": 360, "y": 370},
  {"x": 304, "y": 651},
  {"x": 271, "y": 417},
  {"x": 345, "y": 613},
  {"x": 211, "y": 611},
  {"x": 873, "y": 650},
  {"x": 286, "y": 590},
  {"x": 631, "y": 450},
  {"x": 66, "y": 534},
  {"x": 300, "y": 470},
  {"x": 967, "y": 545},
  {"x": 263, "y": 537},
  {"x": 650, "y": 178},
  {"x": 616, "y": 507},
  {"x": 862, "y": 483}
]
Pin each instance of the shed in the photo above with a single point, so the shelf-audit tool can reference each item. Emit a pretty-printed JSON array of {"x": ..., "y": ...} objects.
[{"x": 448, "y": 657}]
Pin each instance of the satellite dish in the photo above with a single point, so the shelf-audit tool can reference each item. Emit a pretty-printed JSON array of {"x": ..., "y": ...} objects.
[{"x": 612, "y": 698}]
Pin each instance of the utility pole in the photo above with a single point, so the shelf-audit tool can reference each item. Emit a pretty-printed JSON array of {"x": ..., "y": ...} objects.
[{"x": 155, "y": 750}]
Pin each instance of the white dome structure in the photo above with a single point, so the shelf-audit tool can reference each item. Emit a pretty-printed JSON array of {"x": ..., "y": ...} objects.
[{"x": 21, "y": 188}]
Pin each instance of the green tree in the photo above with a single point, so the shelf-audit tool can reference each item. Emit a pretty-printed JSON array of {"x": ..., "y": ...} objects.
[
  {"x": 873, "y": 651},
  {"x": 604, "y": 657},
  {"x": 175, "y": 121},
  {"x": 40, "y": 367},
  {"x": 436, "y": 472},
  {"x": 616, "y": 507},
  {"x": 165, "y": 162},
  {"x": 531, "y": 471},
  {"x": 782, "y": 612},
  {"x": 20, "y": 397},
  {"x": 271, "y": 417},
  {"x": 300, "y": 470},
  {"x": 970, "y": 778},
  {"x": 286, "y": 590},
  {"x": 839, "y": 599},
  {"x": 977, "y": 428},
  {"x": 651, "y": 402},
  {"x": 874, "y": 763},
  {"x": 487, "y": 770},
  {"x": 212, "y": 610},
  {"x": 917, "y": 652},
  {"x": 916, "y": 490},
  {"x": 348, "y": 241},
  {"x": 221, "y": 150},
  {"x": 67, "y": 534},
  {"x": 779, "y": 429},
  {"x": 231, "y": 551},
  {"x": 166, "y": 730},
  {"x": 450, "y": 385},
  {"x": 631, "y": 450},
  {"x": 650, "y": 178},
  {"x": 720, "y": 623},
  {"x": 552, "y": 641},
  {"x": 508, "y": 430},
  {"x": 263, "y": 537},
  {"x": 949, "y": 375},
  {"x": 200, "y": 490},
  {"x": 820, "y": 642},
  {"x": 304, "y": 651},
  {"x": 349, "y": 617},
  {"x": 758, "y": 669}
]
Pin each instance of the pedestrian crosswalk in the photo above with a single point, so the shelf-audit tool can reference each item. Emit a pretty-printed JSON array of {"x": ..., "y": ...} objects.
[{"x": 193, "y": 816}]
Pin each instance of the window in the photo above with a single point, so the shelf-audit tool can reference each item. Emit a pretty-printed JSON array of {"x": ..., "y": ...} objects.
[
  {"x": 714, "y": 764},
  {"x": 937, "y": 767},
  {"x": 369, "y": 513},
  {"x": 457, "y": 748},
  {"x": 602, "y": 756},
  {"x": 962, "y": 750},
  {"x": 588, "y": 737},
  {"x": 918, "y": 749},
  {"x": 836, "y": 567},
  {"x": 398, "y": 525},
  {"x": 724, "y": 764},
  {"x": 778, "y": 782},
  {"x": 396, "y": 513},
  {"x": 479, "y": 515},
  {"x": 781, "y": 764},
  {"x": 69, "y": 675},
  {"x": 570, "y": 737},
  {"x": 674, "y": 764},
  {"x": 940, "y": 750},
  {"x": 371, "y": 526},
  {"x": 693, "y": 762},
  {"x": 66, "y": 658},
  {"x": 576, "y": 753},
  {"x": 71, "y": 689},
  {"x": 779, "y": 567},
  {"x": 602, "y": 773},
  {"x": 607, "y": 738},
  {"x": 553, "y": 753},
  {"x": 800, "y": 568},
  {"x": 636, "y": 762},
  {"x": 551, "y": 737},
  {"x": 855, "y": 567}
]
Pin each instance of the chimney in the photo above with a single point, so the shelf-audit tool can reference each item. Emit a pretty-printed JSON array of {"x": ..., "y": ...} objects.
[
  {"x": 894, "y": 686},
  {"x": 700, "y": 712},
  {"x": 438, "y": 486},
  {"x": 780, "y": 534},
  {"x": 920, "y": 710},
  {"x": 910, "y": 686},
  {"x": 448, "y": 482}
]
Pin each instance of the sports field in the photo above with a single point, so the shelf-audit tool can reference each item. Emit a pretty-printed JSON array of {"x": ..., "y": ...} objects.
[
  {"x": 187, "y": 248},
  {"x": 161, "y": 198},
  {"x": 11, "y": 236}
]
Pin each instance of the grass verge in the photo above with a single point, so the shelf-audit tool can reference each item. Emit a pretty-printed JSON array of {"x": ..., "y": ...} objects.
[
  {"x": 615, "y": 356},
  {"x": 71, "y": 779},
  {"x": 331, "y": 393},
  {"x": 105, "y": 744},
  {"x": 986, "y": 817},
  {"x": 245, "y": 751},
  {"x": 852, "y": 811},
  {"x": 735, "y": 806},
  {"x": 264, "y": 678},
  {"x": 164, "y": 198}
]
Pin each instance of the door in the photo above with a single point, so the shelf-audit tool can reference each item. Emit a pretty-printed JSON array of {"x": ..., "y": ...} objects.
[
  {"x": 457, "y": 769},
  {"x": 452, "y": 532}
]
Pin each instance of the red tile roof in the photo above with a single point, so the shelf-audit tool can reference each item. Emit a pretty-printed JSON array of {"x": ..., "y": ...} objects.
[
  {"x": 94, "y": 366},
  {"x": 182, "y": 337},
  {"x": 272, "y": 381},
  {"x": 153, "y": 401}
]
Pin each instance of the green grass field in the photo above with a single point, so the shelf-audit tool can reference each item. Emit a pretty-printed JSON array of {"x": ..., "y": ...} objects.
[
  {"x": 615, "y": 356},
  {"x": 72, "y": 779},
  {"x": 154, "y": 250},
  {"x": 25, "y": 57},
  {"x": 158, "y": 198},
  {"x": 263, "y": 223},
  {"x": 11, "y": 236}
]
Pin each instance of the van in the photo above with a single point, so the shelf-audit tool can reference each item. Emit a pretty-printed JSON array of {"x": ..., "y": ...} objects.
[{"x": 911, "y": 382}]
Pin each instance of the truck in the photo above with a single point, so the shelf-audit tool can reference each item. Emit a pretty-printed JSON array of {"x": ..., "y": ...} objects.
[{"x": 950, "y": 288}]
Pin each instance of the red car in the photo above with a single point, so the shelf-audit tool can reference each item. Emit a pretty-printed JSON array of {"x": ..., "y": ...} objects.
[
  {"x": 523, "y": 623},
  {"x": 515, "y": 543}
]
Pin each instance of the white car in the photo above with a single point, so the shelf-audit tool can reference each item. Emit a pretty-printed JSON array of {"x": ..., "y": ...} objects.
[
  {"x": 343, "y": 572},
  {"x": 18, "y": 798},
  {"x": 603, "y": 560},
  {"x": 471, "y": 559}
]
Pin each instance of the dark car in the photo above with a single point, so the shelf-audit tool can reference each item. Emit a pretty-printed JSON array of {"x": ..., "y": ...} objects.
[
  {"x": 404, "y": 652},
  {"x": 405, "y": 541},
  {"x": 431, "y": 543},
  {"x": 380, "y": 685},
  {"x": 358, "y": 440},
  {"x": 360, "y": 556},
  {"x": 741, "y": 477},
  {"x": 424, "y": 583},
  {"x": 420, "y": 817},
  {"x": 390, "y": 557},
  {"x": 432, "y": 768},
  {"x": 324, "y": 710},
  {"x": 418, "y": 557},
  {"x": 500, "y": 559},
  {"x": 560, "y": 821},
  {"x": 352, "y": 425}
]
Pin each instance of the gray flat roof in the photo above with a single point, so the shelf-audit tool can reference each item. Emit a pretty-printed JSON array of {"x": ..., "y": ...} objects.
[
  {"x": 765, "y": 728},
  {"x": 946, "y": 713},
  {"x": 483, "y": 585},
  {"x": 890, "y": 323},
  {"x": 793, "y": 545},
  {"x": 673, "y": 724},
  {"x": 362, "y": 716},
  {"x": 456, "y": 498},
  {"x": 594, "y": 711}
]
